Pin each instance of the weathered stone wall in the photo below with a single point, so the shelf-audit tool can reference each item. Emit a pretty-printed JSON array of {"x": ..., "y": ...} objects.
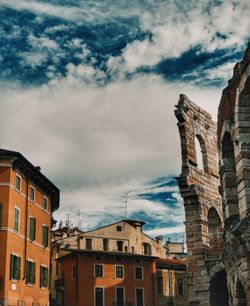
[
  {"x": 214, "y": 259},
  {"x": 202, "y": 201}
]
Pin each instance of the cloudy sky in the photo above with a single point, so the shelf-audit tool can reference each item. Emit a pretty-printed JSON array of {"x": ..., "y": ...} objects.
[{"x": 88, "y": 90}]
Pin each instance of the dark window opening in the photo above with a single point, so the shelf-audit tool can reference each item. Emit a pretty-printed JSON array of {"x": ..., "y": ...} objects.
[
  {"x": 98, "y": 271},
  {"x": 138, "y": 273},
  {"x": 147, "y": 249},
  {"x": 139, "y": 297},
  {"x": 180, "y": 286},
  {"x": 119, "y": 246},
  {"x": 88, "y": 244},
  {"x": 120, "y": 297},
  {"x": 119, "y": 271},
  {"x": 105, "y": 244},
  {"x": 98, "y": 296},
  {"x": 160, "y": 284},
  {"x": 119, "y": 228}
]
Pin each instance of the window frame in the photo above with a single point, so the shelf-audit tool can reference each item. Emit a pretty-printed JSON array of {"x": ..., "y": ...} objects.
[
  {"x": 47, "y": 237},
  {"x": 20, "y": 182},
  {"x": 143, "y": 296},
  {"x": 19, "y": 213},
  {"x": 34, "y": 194},
  {"x": 47, "y": 201},
  {"x": 15, "y": 266},
  {"x": 87, "y": 245},
  {"x": 142, "y": 273},
  {"x": 117, "y": 274},
  {"x": 44, "y": 279},
  {"x": 95, "y": 270},
  {"x": 30, "y": 236},
  {"x": 182, "y": 286},
  {"x": 103, "y": 295},
  {"x": 30, "y": 264},
  {"x": 124, "y": 295}
]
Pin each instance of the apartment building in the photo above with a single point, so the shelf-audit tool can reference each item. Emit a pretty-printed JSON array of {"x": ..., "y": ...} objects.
[
  {"x": 114, "y": 265},
  {"x": 27, "y": 200}
]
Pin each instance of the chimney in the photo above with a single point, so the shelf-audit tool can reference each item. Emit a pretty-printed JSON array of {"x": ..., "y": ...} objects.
[{"x": 159, "y": 239}]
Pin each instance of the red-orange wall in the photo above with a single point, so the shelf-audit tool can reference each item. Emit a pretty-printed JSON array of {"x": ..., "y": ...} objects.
[{"x": 86, "y": 281}]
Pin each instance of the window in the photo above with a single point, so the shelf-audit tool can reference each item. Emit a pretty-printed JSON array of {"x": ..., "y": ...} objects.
[
  {"x": 18, "y": 183},
  {"x": 32, "y": 193},
  {"x": 15, "y": 267},
  {"x": 139, "y": 297},
  {"x": 43, "y": 277},
  {"x": 147, "y": 249},
  {"x": 160, "y": 284},
  {"x": 98, "y": 270},
  {"x": 16, "y": 219},
  {"x": 119, "y": 228},
  {"x": 138, "y": 272},
  {"x": 1, "y": 215},
  {"x": 119, "y": 271},
  {"x": 99, "y": 296},
  {"x": 30, "y": 272},
  {"x": 45, "y": 236},
  {"x": 119, "y": 246},
  {"x": 45, "y": 203},
  {"x": 74, "y": 271},
  {"x": 120, "y": 301},
  {"x": 105, "y": 244},
  {"x": 180, "y": 286},
  {"x": 88, "y": 244},
  {"x": 32, "y": 233}
]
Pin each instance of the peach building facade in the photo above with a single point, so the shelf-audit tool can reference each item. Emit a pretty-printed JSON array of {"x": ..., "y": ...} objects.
[{"x": 27, "y": 200}]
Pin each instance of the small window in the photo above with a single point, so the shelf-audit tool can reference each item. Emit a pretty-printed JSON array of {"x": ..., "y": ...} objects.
[
  {"x": 45, "y": 236},
  {"x": 99, "y": 296},
  {"x": 160, "y": 284},
  {"x": 119, "y": 228},
  {"x": 88, "y": 244},
  {"x": 105, "y": 244},
  {"x": 30, "y": 272},
  {"x": 180, "y": 286},
  {"x": 16, "y": 219},
  {"x": 74, "y": 271},
  {"x": 119, "y": 246},
  {"x": 15, "y": 267},
  {"x": 32, "y": 233},
  {"x": 119, "y": 271},
  {"x": 147, "y": 249},
  {"x": 98, "y": 270},
  {"x": 18, "y": 183},
  {"x": 139, "y": 297},
  {"x": 32, "y": 193},
  {"x": 45, "y": 203},
  {"x": 138, "y": 272},
  {"x": 44, "y": 277}
]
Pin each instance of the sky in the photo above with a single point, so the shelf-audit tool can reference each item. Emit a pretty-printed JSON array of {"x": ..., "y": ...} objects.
[{"x": 88, "y": 92}]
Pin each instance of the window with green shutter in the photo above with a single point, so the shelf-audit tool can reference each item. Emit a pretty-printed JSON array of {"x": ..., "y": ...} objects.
[
  {"x": 45, "y": 235},
  {"x": 44, "y": 273},
  {"x": 32, "y": 232},
  {"x": 16, "y": 219},
  {"x": 1, "y": 215},
  {"x": 15, "y": 267},
  {"x": 30, "y": 272}
]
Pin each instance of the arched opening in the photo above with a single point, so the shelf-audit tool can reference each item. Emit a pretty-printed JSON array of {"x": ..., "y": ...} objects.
[
  {"x": 201, "y": 153},
  {"x": 240, "y": 294},
  {"x": 218, "y": 290},
  {"x": 228, "y": 178},
  {"x": 214, "y": 228}
]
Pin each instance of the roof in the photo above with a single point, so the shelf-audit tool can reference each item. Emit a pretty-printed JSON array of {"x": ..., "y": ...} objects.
[
  {"x": 34, "y": 174},
  {"x": 95, "y": 252},
  {"x": 169, "y": 263}
]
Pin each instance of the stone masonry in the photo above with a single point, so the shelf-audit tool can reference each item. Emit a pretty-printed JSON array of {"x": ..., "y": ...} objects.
[{"x": 217, "y": 207}]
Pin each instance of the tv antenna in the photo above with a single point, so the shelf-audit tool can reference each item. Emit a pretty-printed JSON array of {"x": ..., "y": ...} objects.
[
  {"x": 79, "y": 213},
  {"x": 126, "y": 202}
]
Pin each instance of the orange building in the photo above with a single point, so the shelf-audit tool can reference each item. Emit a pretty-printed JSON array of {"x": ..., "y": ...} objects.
[
  {"x": 27, "y": 200},
  {"x": 95, "y": 278}
]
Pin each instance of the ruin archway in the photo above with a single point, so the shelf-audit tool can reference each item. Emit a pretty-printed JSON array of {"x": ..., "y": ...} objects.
[
  {"x": 218, "y": 290},
  {"x": 240, "y": 294},
  {"x": 214, "y": 228},
  {"x": 201, "y": 153}
]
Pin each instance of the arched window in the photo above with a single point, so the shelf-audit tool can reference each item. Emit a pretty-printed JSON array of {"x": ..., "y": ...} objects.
[
  {"x": 228, "y": 177},
  {"x": 214, "y": 228},
  {"x": 201, "y": 153}
]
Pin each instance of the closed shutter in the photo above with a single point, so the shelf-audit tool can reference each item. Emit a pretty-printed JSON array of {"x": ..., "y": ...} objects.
[
  {"x": 45, "y": 235},
  {"x": 18, "y": 268},
  {"x": 12, "y": 266},
  {"x": 33, "y": 273},
  {"x": 46, "y": 277},
  {"x": 27, "y": 271},
  {"x": 41, "y": 276},
  {"x": 32, "y": 228}
]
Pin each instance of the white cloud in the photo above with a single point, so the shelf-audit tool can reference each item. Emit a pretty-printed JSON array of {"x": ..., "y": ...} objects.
[{"x": 163, "y": 231}]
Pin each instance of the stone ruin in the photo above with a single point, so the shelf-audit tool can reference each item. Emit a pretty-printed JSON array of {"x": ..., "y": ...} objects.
[{"x": 216, "y": 194}]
